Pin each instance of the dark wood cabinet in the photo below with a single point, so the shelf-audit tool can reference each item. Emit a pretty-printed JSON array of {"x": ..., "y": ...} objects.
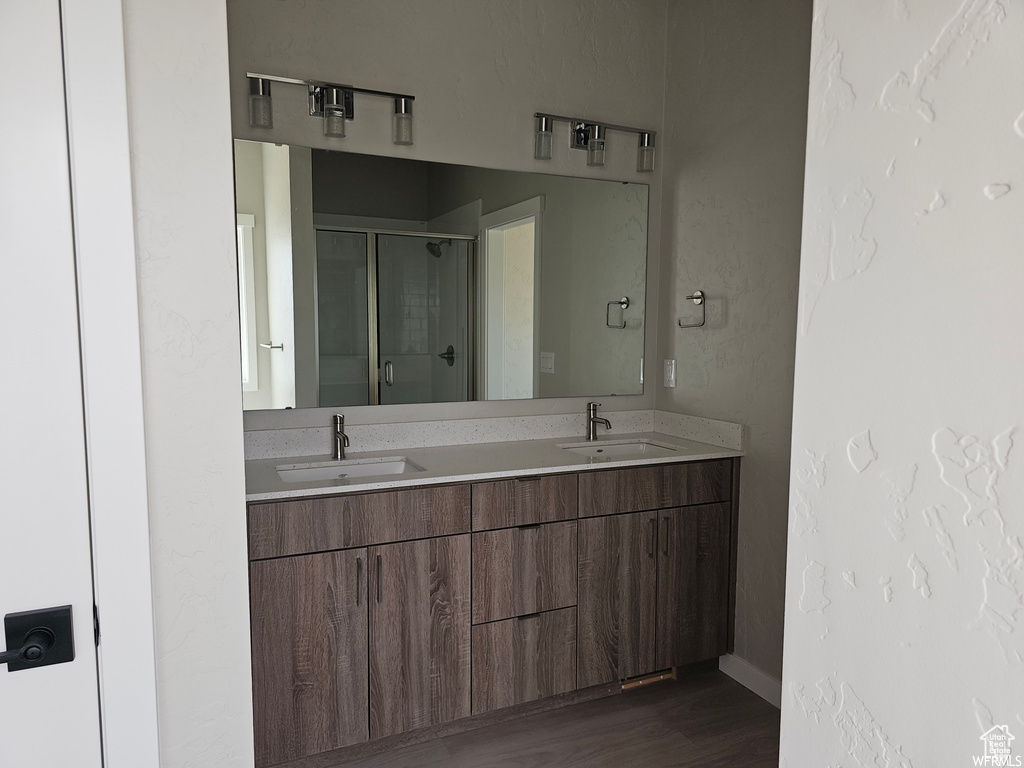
[
  {"x": 617, "y": 597},
  {"x": 309, "y": 654},
  {"x": 523, "y": 659},
  {"x": 523, "y": 570},
  {"x": 653, "y": 590},
  {"x": 356, "y": 520},
  {"x": 693, "y": 584},
  {"x": 419, "y": 634},
  {"x": 379, "y": 613},
  {"x": 615, "y": 491},
  {"x": 524, "y": 501}
]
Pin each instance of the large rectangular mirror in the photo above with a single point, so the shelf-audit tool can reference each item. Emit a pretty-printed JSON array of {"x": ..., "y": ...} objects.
[{"x": 373, "y": 280}]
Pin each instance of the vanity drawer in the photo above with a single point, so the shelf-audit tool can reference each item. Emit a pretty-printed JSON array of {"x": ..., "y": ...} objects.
[
  {"x": 517, "y": 571},
  {"x": 356, "y": 520},
  {"x": 523, "y": 659},
  {"x": 524, "y": 501},
  {"x": 614, "y": 491}
]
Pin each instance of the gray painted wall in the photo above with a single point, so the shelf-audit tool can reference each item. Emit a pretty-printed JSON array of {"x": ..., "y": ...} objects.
[{"x": 733, "y": 158}]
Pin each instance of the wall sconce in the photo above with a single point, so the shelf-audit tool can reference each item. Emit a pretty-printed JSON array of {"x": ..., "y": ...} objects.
[
  {"x": 333, "y": 103},
  {"x": 590, "y": 135}
]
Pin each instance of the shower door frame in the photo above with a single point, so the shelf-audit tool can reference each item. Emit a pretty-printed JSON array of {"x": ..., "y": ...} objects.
[{"x": 372, "y": 310}]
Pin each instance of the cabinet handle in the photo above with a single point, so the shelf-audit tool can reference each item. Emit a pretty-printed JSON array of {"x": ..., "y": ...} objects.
[
  {"x": 378, "y": 578},
  {"x": 528, "y": 527},
  {"x": 664, "y": 550},
  {"x": 526, "y": 616},
  {"x": 654, "y": 537},
  {"x": 359, "y": 574}
]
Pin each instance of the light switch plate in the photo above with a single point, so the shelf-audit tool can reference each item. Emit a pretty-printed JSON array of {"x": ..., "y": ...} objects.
[
  {"x": 670, "y": 373},
  {"x": 547, "y": 362}
]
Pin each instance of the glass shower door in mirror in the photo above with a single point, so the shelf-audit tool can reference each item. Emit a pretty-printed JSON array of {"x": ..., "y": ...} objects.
[
  {"x": 423, "y": 317},
  {"x": 342, "y": 319}
]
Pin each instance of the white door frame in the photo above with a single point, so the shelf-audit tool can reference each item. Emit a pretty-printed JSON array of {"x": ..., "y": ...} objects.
[
  {"x": 104, "y": 232},
  {"x": 532, "y": 207}
]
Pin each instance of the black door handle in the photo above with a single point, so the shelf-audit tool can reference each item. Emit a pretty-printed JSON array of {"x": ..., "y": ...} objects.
[
  {"x": 35, "y": 647},
  {"x": 38, "y": 638}
]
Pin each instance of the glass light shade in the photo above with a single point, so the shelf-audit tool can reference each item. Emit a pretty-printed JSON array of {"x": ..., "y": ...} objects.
[
  {"x": 542, "y": 146},
  {"x": 595, "y": 151},
  {"x": 261, "y": 113},
  {"x": 403, "y": 129},
  {"x": 644, "y": 159},
  {"x": 542, "y": 143},
  {"x": 334, "y": 121}
]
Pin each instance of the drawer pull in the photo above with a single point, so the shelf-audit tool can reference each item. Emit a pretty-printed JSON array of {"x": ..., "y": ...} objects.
[
  {"x": 378, "y": 578},
  {"x": 527, "y": 479},
  {"x": 526, "y": 616},
  {"x": 529, "y": 527}
]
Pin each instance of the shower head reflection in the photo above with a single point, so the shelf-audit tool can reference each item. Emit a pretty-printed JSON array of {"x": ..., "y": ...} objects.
[{"x": 435, "y": 248}]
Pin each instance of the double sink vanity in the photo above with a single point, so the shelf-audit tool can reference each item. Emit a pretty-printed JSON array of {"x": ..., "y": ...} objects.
[{"x": 401, "y": 595}]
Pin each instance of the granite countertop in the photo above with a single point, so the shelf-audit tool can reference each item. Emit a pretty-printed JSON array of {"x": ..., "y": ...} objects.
[{"x": 465, "y": 463}]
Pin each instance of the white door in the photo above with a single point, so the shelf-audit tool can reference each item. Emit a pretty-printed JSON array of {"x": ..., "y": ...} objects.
[{"x": 50, "y": 715}]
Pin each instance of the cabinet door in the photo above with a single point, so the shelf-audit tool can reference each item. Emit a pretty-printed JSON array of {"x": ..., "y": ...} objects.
[
  {"x": 522, "y": 659},
  {"x": 617, "y": 593},
  {"x": 693, "y": 584},
  {"x": 309, "y": 654},
  {"x": 523, "y": 570},
  {"x": 419, "y": 634}
]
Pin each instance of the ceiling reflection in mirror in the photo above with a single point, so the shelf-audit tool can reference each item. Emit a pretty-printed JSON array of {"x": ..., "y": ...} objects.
[{"x": 372, "y": 280}]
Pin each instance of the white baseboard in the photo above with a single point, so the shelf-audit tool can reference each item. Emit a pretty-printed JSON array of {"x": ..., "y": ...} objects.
[{"x": 749, "y": 676}]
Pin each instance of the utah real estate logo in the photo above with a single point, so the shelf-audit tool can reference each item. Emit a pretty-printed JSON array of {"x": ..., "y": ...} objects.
[{"x": 998, "y": 748}]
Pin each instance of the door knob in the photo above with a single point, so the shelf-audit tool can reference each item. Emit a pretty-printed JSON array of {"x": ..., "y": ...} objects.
[
  {"x": 448, "y": 355},
  {"x": 38, "y": 638}
]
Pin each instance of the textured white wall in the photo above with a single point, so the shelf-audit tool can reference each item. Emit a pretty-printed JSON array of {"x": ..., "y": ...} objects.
[
  {"x": 479, "y": 70},
  {"x": 176, "y": 62},
  {"x": 905, "y": 586},
  {"x": 735, "y": 115}
]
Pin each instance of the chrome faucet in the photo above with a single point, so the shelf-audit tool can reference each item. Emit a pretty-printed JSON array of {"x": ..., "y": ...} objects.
[
  {"x": 340, "y": 438},
  {"x": 593, "y": 419}
]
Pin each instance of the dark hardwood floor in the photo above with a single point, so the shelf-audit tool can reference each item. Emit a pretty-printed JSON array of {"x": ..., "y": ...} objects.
[{"x": 704, "y": 719}]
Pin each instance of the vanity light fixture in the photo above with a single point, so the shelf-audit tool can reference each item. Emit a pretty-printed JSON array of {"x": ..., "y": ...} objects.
[
  {"x": 402, "y": 133},
  {"x": 542, "y": 144},
  {"x": 590, "y": 136},
  {"x": 261, "y": 113},
  {"x": 595, "y": 146},
  {"x": 334, "y": 112},
  {"x": 645, "y": 153},
  {"x": 334, "y": 104}
]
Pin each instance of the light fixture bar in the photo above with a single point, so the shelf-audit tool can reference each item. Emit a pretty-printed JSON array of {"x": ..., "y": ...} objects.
[
  {"x": 587, "y": 121},
  {"x": 333, "y": 102},
  {"x": 324, "y": 84}
]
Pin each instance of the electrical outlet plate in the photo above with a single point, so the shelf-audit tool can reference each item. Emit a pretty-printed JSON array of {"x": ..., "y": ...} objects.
[{"x": 547, "y": 362}]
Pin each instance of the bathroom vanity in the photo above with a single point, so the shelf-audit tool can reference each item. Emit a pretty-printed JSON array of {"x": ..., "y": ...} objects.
[{"x": 490, "y": 581}]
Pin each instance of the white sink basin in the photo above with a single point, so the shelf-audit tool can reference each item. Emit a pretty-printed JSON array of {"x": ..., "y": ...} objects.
[
  {"x": 344, "y": 470},
  {"x": 620, "y": 449}
]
